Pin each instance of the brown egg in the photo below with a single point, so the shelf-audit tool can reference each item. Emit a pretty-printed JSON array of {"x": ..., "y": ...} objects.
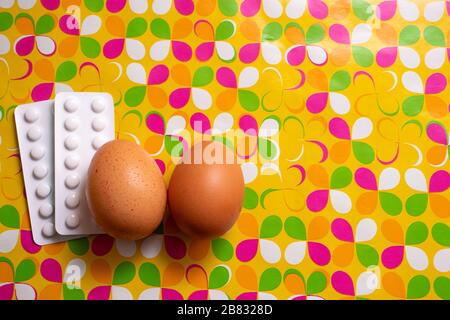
[
  {"x": 125, "y": 190},
  {"x": 206, "y": 194}
]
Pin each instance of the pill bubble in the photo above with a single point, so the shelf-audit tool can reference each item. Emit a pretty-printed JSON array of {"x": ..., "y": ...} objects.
[
  {"x": 72, "y": 181},
  {"x": 72, "y": 201},
  {"x": 46, "y": 210},
  {"x": 34, "y": 133},
  {"x": 98, "y": 124},
  {"x": 43, "y": 190},
  {"x": 98, "y": 105},
  {"x": 71, "y": 124},
  {"x": 31, "y": 115},
  {"x": 40, "y": 171},
  {"x": 71, "y": 162},
  {"x": 48, "y": 230},
  {"x": 98, "y": 142},
  {"x": 37, "y": 152},
  {"x": 72, "y": 221},
  {"x": 71, "y": 105},
  {"x": 71, "y": 143}
]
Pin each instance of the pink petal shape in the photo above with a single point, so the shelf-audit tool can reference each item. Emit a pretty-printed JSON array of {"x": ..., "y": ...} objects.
[
  {"x": 102, "y": 244},
  {"x": 387, "y": 56},
  {"x": 205, "y": 51},
  {"x": 182, "y": 51},
  {"x": 296, "y": 55},
  {"x": 199, "y": 295},
  {"x": 437, "y": 133},
  {"x": 342, "y": 230},
  {"x": 249, "y": 52},
  {"x": 27, "y": 242},
  {"x": 113, "y": 48},
  {"x": 366, "y": 179},
  {"x": 339, "y": 34},
  {"x": 248, "y": 296},
  {"x": 25, "y": 45},
  {"x": 339, "y": 128},
  {"x": 249, "y": 125},
  {"x": 42, "y": 91},
  {"x": 115, "y": 5},
  {"x": 50, "y": 4},
  {"x": 155, "y": 123},
  {"x": 317, "y": 102},
  {"x": 161, "y": 165},
  {"x": 436, "y": 83},
  {"x": 179, "y": 97},
  {"x": 200, "y": 123},
  {"x": 303, "y": 297},
  {"x": 226, "y": 77},
  {"x": 392, "y": 257},
  {"x": 158, "y": 75},
  {"x": 100, "y": 293},
  {"x": 439, "y": 181},
  {"x": 246, "y": 250},
  {"x": 250, "y": 7},
  {"x": 6, "y": 291},
  {"x": 51, "y": 270},
  {"x": 318, "y": 9},
  {"x": 343, "y": 283},
  {"x": 386, "y": 10},
  {"x": 319, "y": 253},
  {"x": 317, "y": 200},
  {"x": 185, "y": 7},
  {"x": 170, "y": 294},
  {"x": 175, "y": 247},
  {"x": 69, "y": 25}
]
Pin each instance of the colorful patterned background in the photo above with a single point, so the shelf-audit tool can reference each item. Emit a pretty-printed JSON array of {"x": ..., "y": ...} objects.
[{"x": 353, "y": 179}]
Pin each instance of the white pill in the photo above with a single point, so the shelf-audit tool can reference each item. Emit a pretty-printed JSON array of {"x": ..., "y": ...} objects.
[
  {"x": 98, "y": 142},
  {"x": 37, "y": 152},
  {"x": 71, "y": 105},
  {"x": 40, "y": 171},
  {"x": 46, "y": 210},
  {"x": 71, "y": 143},
  {"x": 98, "y": 124},
  {"x": 31, "y": 115},
  {"x": 72, "y": 201},
  {"x": 34, "y": 133},
  {"x": 98, "y": 105},
  {"x": 72, "y": 221},
  {"x": 72, "y": 162},
  {"x": 72, "y": 181},
  {"x": 43, "y": 190},
  {"x": 71, "y": 124},
  {"x": 48, "y": 230}
]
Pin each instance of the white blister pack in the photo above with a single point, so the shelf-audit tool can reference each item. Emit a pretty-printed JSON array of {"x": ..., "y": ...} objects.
[
  {"x": 84, "y": 121},
  {"x": 34, "y": 125}
]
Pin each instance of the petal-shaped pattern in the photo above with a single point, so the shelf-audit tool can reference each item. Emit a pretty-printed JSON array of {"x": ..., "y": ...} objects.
[
  {"x": 249, "y": 171},
  {"x": 120, "y": 293},
  {"x": 4, "y": 44},
  {"x": 248, "y": 77},
  {"x": 342, "y": 230},
  {"x": 316, "y": 54},
  {"x": 202, "y": 98},
  {"x": 151, "y": 246},
  {"x": 367, "y": 283},
  {"x": 435, "y": 58},
  {"x": 249, "y": 52},
  {"x": 295, "y": 252},
  {"x": 342, "y": 283},
  {"x": 272, "y": 8},
  {"x": 181, "y": 50},
  {"x": 246, "y": 250},
  {"x": 441, "y": 260},
  {"x": 386, "y": 56},
  {"x": 409, "y": 57},
  {"x": 361, "y": 33},
  {"x": 392, "y": 257},
  {"x": 126, "y": 248},
  {"x": 152, "y": 293},
  {"x": 434, "y": 10},
  {"x": 317, "y": 200},
  {"x": 408, "y": 10},
  {"x": 319, "y": 253},
  {"x": 225, "y": 50},
  {"x": 366, "y": 230},
  {"x": 417, "y": 258},
  {"x": 416, "y": 180},
  {"x": 161, "y": 7},
  {"x": 295, "y": 55},
  {"x": 412, "y": 82},
  {"x": 270, "y": 251},
  {"x": 136, "y": 73},
  {"x": 160, "y": 50},
  {"x": 8, "y": 240},
  {"x": 91, "y": 24},
  {"x": 135, "y": 49},
  {"x": 339, "y": 103},
  {"x": 362, "y": 128},
  {"x": 25, "y": 292},
  {"x": 296, "y": 8},
  {"x": 340, "y": 201},
  {"x": 389, "y": 179}
]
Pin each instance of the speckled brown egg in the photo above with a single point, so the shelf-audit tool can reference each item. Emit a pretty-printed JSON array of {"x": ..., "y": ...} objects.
[
  {"x": 205, "y": 193},
  {"x": 125, "y": 190}
]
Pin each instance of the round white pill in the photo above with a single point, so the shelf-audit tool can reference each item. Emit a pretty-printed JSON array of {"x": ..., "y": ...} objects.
[
  {"x": 34, "y": 133},
  {"x": 71, "y": 124},
  {"x": 71, "y": 162},
  {"x": 71, "y": 143},
  {"x": 72, "y": 221},
  {"x": 48, "y": 230},
  {"x": 31, "y": 115},
  {"x": 72, "y": 181},
  {"x": 43, "y": 190},
  {"x": 46, "y": 210},
  {"x": 40, "y": 171},
  {"x": 72, "y": 201},
  {"x": 98, "y": 142},
  {"x": 71, "y": 105},
  {"x": 37, "y": 152},
  {"x": 98, "y": 105},
  {"x": 98, "y": 124}
]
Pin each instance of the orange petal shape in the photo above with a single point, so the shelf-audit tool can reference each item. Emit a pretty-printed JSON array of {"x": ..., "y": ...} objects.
[
  {"x": 250, "y": 30},
  {"x": 25, "y": 25},
  {"x": 182, "y": 28},
  {"x": 157, "y": 97},
  {"x": 295, "y": 35},
  {"x": 153, "y": 143},
  {"x": 440, "y": 205},
  {"x": 205, "y": 7},
  {"x": 199, "y": 248},
  {"x": 436, "y": 106},
  {"x": 197, "y": 277},
  {"x": 173, "y": 274},
  {"x": 51, "y": 292},
  {"x": 318, "y": 176},
  {"x": 204, "y": 30},
  {"x": 116, "y": 26},
  {"x": 436, "y": 154},
  {"x": 343, "y": 254},
  {"x": 44, "y": 69},
  {"x": 393, "y": 231},
  {"x": 318, "y": 228},
  {"x": 340, "y": 151},
  {"x": 367, "y": 202},
  {"x": 387, "y": 34},
  {"x": 101, "y": 271},
  {"x": 294, "y": 283},
  {"x": 394, "y": 285},
  {"x": 68, "y": 46},
  {"x": 248, "y": 225},
  {"x": 181, "y": 75},
  {"x": 340, "y": 56},
  {"x": 226, "y": 99},
  {"x": 340, "y": 9},
  {"x": 318, "y": 79},
  {"x": 6, "y": 272},
  {"x": 246, "y": 277}
]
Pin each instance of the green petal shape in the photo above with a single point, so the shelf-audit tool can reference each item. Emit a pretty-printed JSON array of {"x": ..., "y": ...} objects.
[
  {"x": 222, "y": 249},
  {"x": 363, "y": 152},
  {"x": 228, "y": 8},
  {"x": 418, "y": 287},
  {"x": 9, "y": 217},
  {"x": 295, "y": 228},
  {"x": 248, "y": 99},
  {"x": 362, "y": 9},
  {"x": 149, "y": 274},
  {"x": 340, "y": 81},
  {"x": 409, "y": 35},
  {"x": 271, "y": 227},
  {"x": 173, "y": 146},
  {"x": 250, "y": 199},
  {"x": 267, "y": 149},
  {"x": 66, "y": 71},
  {"x": 25, "y": 270},
  {"x": 90, "y": 47},
  {"x": 160, "y": 28},
  {"x": 79, "y": 246},
  {"x": 416, "y": 234},
  {"x": 270, "y": 280},
  {"x": 317, "y": 282},
  {"x": 6, "y": 21},
  {"x": 135, "y": 95},
  {"x": 203, "y": 76},
  {"x": 390, "y": 203},
  {"x": 441, "y": 234},
  {"x": 341, "y": 178},
  {"x": 315, "y": 34},
  {"x": 218, "y": 277},
  {"x": 225, "y": 30},
  {"x": 136, "y": 27},
  {"x": 124, "y": 273},
  {"x": 272, "y": 32},
  {"x": 94, "y": 5},
  {"x": 363, "y": 56},
  {"x": 413, "y": 105},
  {"x": 434, "y": 36},
  {"x": 73, "y": 293},
  {"x": 367, "y": 255},
  {"x": 45, "y": 24},
  {"x": 416, "y": 204},
  {"x": 442, "y": 287}
]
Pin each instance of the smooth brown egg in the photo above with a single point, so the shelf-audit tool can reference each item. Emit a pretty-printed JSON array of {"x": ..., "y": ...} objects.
[
  {"x": 206, "y": 194},
  {"x": 125, "y": 190}
]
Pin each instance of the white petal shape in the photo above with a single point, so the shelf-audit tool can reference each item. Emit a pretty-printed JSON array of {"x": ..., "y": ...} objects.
[
  {"x": 435, "y": 58},
  {"x": 266, "y": 296},
  {"x": 8, "y": 240},
  {"x": 367, "y": 283},
  {"x": 416, "y": 180},
  {"x": 135, "y": 49},
  {"x": 217, "y": 295},
  {"x": 120, "y": 293},
  {"x": 389, "y": 179},
  {"x": 225, "y": 50},
  {"x": 412, "y": 82},
  {"x": 4, "y": 44},
  {"x": 270, "y": 251},
  {"x": 175, "y": 125},
  {"x": 139, "y": 6},
  {"x": 45, "y": 45},
  {"x": 339, "y": 103},
  {"x": 316, "y": 54},
  {"x": 150, "y": 294},
  {"x": 434, "y": 11},
  {"x": 202, "y": 98},
  {"x": 362, "y": 128},
  {"x": 271, "y": 54},
  {"x": 26, "y": 4},
  {"x": 312, "y": 297},
  {"x": 366, "y": 230},
  {"x": 91, "y": 24},
  {"x": 408, "y": 10},
  {"x": 295, "y": 8},
  {"x": 442, "y": 260},
  {"x": 6, "y": 4},
  {"x": 269, "y": 128},
  {"x": 222, "y": 123},
  {"x": 295, "y": 252},
  {"x": 161, "y": 6},
  {"x": 249, "y": 171},
  {"x": 126, "y": 248},
  {"x": 25, "y": 292},
  {"x": 361, "y": 33},
  {"x": 74, "y": 271},
  {"x": 136, "y": 73},
  {"x": 160, "y": 50},
  {"x": 248, "y": 77},
  {"x": 340, "y": 201},
  {"x": 272, "y": 8},
  {"x": 151, "y": 246},
  {"x": 409, "y": 57},
  {"x": 417, "y": 258}
]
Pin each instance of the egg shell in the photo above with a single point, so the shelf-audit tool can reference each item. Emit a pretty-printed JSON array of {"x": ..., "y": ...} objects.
[{"x": 125, "y": 190}]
